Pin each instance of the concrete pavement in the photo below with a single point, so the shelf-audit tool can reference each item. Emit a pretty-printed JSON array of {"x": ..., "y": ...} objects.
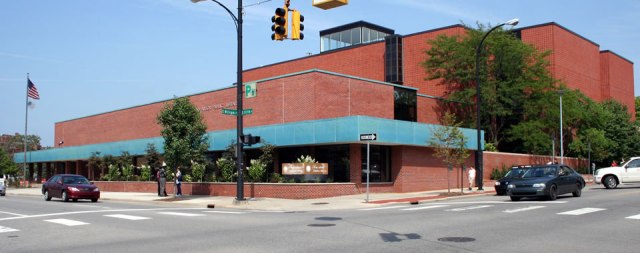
[{"x": 273, "y": 204}]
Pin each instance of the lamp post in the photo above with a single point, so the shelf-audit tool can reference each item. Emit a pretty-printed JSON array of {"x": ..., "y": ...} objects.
[
  {"x": 561, "y": 92},
  {"x": 478, "y": 161},
  {"x": 239, "y": 157}
]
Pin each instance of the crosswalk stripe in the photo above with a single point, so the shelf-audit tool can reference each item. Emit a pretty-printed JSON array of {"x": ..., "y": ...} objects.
[
  {"x": 7, "y": 229},
  {"x": 468, "y": 208},
  {"x": 182, "y": 214},
  {"x": 423, "y": 207},
  {"x": 523, "y": 209},
  {"x": 380, "y": 208},
  {"x": 635, "y": 217},
  {"x": 127, "y": 217},
  {"x": 227, "y": 212},
  {"x": 582, "y": 211},
  {"x": 67, "y": 222}
]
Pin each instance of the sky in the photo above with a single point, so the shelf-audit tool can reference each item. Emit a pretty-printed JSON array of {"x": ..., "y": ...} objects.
[{"x": 91, "y": 57}]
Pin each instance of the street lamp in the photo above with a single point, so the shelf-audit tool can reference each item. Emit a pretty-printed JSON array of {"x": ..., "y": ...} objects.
[
  {"x": 561, "y": 92},
  {"x": 478, "y": 162},
  {"x": 239, "y": 162}
]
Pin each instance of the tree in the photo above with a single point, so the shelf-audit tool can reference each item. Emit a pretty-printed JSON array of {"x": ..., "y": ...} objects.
[
  {"x": 448, "y": 141},
  {"x": 511, "y": 72},
  {"x": 7, "y": 166},
  {"x": 15, "y": 143},
  {"x": 152, "y": 156},
  {"x": 184, "y": 134}
]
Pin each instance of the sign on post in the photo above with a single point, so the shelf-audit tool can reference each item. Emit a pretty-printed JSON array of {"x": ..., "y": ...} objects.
[
  {"x": 250, "y": 90},
  {"x": 368, "y": 138},
  {"x": 234, "y": 112}
]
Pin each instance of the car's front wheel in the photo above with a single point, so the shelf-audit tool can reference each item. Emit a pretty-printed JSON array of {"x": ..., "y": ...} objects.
[
  {"x": 65, "y": 197},
  {"x": 46, "y": 195},
  {"x": 553, "y": 193},
  {"x": 578, "y": 191},
  {"x": 94, "y": 200},
  {"x": 513, "y": 198},
  {"x": 610, "y": 182}
]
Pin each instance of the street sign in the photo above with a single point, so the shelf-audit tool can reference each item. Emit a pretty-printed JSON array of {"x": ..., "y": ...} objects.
[
  {"x": 250, "y": 90},
  {"x": 235, "y": 112},
  {"x": 368, "y": 137}
]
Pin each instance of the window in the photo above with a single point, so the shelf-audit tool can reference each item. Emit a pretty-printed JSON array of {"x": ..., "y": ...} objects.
[
  {"x": 380, "y": 158},
  {"x": 405, "y": 104}
]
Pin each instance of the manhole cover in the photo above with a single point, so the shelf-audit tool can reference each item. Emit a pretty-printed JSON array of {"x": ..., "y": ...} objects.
[
  {"x": 328, "y": 218},
  {"x": 456, "y": 239},
  {"x": 320, "y": 203},
  {"x": 321, "y": 225}
]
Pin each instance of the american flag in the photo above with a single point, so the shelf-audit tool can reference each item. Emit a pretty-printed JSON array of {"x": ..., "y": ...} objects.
[{"x": 32, "y": 91}]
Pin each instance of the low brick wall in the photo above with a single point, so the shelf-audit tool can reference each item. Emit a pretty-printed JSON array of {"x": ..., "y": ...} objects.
[{"x": 251, "y": 190}]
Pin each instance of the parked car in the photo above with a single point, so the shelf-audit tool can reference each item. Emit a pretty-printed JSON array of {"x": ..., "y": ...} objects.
[
  {"x": 70, "y": 186},
  {"x": 611, "y": 177},
  {"x": 547, "y": 181},
  {"x": 3, "y": 188},
  {"x": 515, "y": 171}
]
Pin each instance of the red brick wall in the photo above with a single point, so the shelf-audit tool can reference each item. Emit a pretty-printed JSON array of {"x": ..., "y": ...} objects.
[
  {"x": 301, "y": 97},
  {"x": 422, "y": 171},
  {"x": 428, "y": 110},
  {"x": 617, "y": 80},
  {"x": 365, "y": 61},
  {"x": 496, "y": 160}
]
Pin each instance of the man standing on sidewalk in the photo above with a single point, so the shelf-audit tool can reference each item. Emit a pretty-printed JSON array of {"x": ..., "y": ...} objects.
[
  {"x": 472, "y": 176},
  {"x": 162, "y": 180}
]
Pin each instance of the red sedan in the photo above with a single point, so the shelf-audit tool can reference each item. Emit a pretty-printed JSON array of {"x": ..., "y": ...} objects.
[{"x": 70, "y": 186}]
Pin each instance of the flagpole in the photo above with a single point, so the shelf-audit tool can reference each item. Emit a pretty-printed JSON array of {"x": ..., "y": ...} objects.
[{"x": 26, "y": 117}]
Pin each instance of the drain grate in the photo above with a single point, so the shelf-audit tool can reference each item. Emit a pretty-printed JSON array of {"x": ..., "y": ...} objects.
[
  {"x": 320, "y": 203},
  {"x": 321, "y": 225},
  {"x": 456, "y": 239},
  {"x": 328, "y": 218}
]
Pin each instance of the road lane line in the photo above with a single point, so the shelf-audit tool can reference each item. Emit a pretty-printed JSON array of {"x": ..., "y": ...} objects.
[
  {"x": 67, "y": 222},
  {"x": 182, "y": 214},
  {"x": 523, "y": 209},
  {"x": 635, "y": 217},
  {"x": 16, "y": 214},
  {"x": 7, "y": 229},
  {"x": 468, "y": 208},
  {"x": 96, "y": 211},
  {"x": 423, "y": 207},
  {"x": 582, "y": 211},
  {"x": 127, "y": 217},
  {"x": 226, "y": 212},
  {"x": 380, "y": 208}
]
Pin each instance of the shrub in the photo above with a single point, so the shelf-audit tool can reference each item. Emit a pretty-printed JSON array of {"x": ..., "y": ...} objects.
[
  {"x": 257, "y": 170},
  {"x": 306, "y": 159},
  {"x": 276, "y": 178},
  {"x": 145, "y": 172},
  {"x": 500, "y": 173},
  {"x": 197, "y": 171},
  {"x": 127, "y": 171},
  {"x": 113, "y": 174},
  {"x": 227, "y": 169}
]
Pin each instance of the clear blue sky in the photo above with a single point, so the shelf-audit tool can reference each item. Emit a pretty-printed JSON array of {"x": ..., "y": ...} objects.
[{"x": 88, "y": 57}]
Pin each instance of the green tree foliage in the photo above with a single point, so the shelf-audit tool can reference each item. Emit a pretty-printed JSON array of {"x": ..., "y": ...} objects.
[
  {"x": 511, "y": 74},
  {"x": 197, "y": 171},
  {"x": 227, "y": 169},
  {"x": 7, "y": 166},
  {"x": 637, "y": 107},
  {"x": 15, "y": 143},
  {"x": 448, "y": 141},
  {"x": 184, "y": 134},
  {"x": 152, "y": 156},
  {"x": 257, "y": 171}
]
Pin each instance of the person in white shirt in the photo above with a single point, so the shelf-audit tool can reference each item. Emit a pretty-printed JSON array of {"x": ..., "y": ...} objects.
[{"x": 472, "y": 176}]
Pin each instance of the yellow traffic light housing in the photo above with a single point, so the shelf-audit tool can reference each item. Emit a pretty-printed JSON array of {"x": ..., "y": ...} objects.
[
  {"x": 296, "y": 25},
  {"x": 279, "y": 26}
]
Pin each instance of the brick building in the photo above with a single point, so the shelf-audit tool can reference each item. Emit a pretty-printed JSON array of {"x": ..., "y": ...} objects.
[{"x": 366, "y": 79}]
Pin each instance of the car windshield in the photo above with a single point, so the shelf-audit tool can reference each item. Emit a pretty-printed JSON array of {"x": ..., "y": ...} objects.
[
  {"x": 75, "y": 180},
  {"x": 515, "y": 172},
  {"x": 538, "y": 172}
]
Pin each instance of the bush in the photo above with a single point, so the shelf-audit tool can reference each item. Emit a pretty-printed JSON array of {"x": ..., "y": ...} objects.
[
  {"x": 227, "y": 169},
  {"x": 145, "y": 172},
  {"x": 127, "y": 172},
  {"x": 276, "y": 178},
  {"x": 306, "y": 159},
  {"x": 197, "y": 171},
  {"x": 257, "y": 170},
  {"x": 113, "y": 174},
  {"x": 500, "y": 173}
]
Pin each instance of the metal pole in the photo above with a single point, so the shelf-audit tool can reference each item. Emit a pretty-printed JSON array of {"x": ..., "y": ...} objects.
[
  {"x": 26, "y": 117},
  {"x": 368, "y": 171},
  {"x": 561, "y": 145},
  {"x": 240, "y": 163}
]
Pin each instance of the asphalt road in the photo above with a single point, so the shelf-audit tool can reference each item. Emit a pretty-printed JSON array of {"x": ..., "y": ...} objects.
[{"x": 599, "y": 221}]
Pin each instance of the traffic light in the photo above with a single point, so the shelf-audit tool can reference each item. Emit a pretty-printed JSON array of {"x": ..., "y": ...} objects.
[
  {"x": 249, "y": 140},
  {"x": 279, "y": 26},
  {"x": 296, "y": 25}
]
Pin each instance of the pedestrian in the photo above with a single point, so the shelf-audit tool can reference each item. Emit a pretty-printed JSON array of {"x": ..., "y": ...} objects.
[
  {"x": 178, "y": 182},
  {"x": 614, "y": 163},
  {"x": 163, "y": 180},
  {"x": 472, "y": 176},
  {"x": 158, "y": 180}
]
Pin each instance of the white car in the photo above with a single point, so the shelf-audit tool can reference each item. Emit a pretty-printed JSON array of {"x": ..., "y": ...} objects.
[
  {"x": 3, "y": 188},
  {"x": 611, "y": 177}
]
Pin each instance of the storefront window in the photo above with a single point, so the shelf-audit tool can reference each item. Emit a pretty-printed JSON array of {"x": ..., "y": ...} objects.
[{"x": 380, "y": 158}]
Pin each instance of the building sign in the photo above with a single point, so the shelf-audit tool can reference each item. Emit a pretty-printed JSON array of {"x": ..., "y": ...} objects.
[
  {"x": 217, "y": 106},
  {"x": 305, "y": 169},
  {"x": 250, "y": 90},
  {"x": 368, "y": 137},
  {"x": 328, "y": 4}
]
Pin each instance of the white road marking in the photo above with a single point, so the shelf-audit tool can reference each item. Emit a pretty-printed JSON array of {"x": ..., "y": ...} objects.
[
  {"x": 87, "y": 205},
  {"x": 227, "y": 212},
  {"x": 380, "y": 208},
  {"x": 7, "y": 229},
  {"x": 468, "y": 208},
  {"x": 582, "y": 211},
  {"x": 16, "y": 214},
  {"x": 182, "y": 214},
  {"x": 523, "y": 209},
  {"x": 96, "y": 211},
  {"x": 423, "y": 207},
  {"x": 635, "y": 217},
  {"x": 67, "y": 222},
  {"x": 127, "y": 217}
]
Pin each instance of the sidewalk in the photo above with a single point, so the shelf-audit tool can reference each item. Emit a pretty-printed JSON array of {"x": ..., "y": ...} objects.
[{"x": 273, "y": 204}]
